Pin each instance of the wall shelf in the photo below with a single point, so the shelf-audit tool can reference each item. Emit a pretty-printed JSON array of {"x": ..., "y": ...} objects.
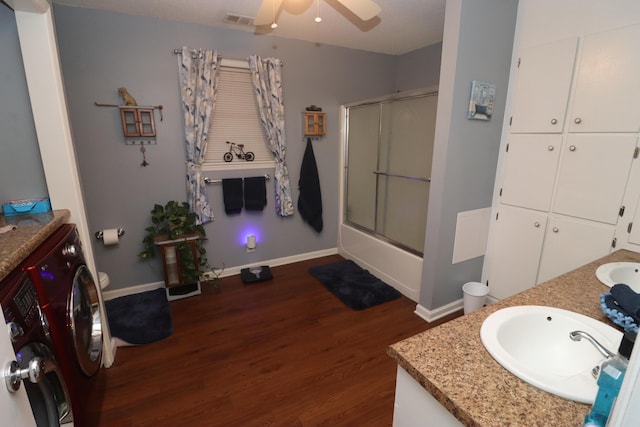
[
  {"x": 137, "y": 121},
  {"x": 315, "y": 123}
]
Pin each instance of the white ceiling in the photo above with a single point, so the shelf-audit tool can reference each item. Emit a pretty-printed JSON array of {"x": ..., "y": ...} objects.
[{"x": 402, "y": 26}]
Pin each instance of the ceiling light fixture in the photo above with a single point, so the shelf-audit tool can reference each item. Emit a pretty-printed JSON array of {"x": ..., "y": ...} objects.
[
  {"x": 274, "y": 24},
  {"x": 318, "y": 19}
]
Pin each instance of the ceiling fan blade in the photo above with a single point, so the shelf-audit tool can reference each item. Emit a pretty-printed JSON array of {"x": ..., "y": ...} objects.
[
  {"x": 268, "y": 9},
  {"x": 363, "y": 9}
]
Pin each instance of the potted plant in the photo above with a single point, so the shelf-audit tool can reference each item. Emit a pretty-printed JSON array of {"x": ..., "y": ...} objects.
[{"x": 175, "y": 221}]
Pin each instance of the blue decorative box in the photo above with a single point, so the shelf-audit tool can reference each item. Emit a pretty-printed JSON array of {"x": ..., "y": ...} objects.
[{"x": 26, "y": 206}]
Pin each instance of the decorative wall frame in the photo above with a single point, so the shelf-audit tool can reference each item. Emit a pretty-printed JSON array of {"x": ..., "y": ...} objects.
[{"x": 481, "y": 102}]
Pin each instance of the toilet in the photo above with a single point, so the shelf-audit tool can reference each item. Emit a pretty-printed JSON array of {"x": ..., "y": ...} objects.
[{"x": 103, "y": 279}]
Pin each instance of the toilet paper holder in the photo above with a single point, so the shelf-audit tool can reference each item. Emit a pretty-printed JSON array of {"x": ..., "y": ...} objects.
[{"x": 100, "y": 234}]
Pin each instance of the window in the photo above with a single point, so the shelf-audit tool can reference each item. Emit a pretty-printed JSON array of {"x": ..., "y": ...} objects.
[{"x": 236, "y": 119}]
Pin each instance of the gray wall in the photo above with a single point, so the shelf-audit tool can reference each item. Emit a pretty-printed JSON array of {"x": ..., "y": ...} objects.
[
  {"x": 21, "y": 173},
  {"x": 101, "y": 51},
  {"x": 477, "y": 45},
  {"x": 419, "y": 68}
]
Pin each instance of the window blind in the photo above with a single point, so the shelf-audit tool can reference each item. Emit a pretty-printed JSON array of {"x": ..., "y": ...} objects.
[{"x": 236, "y": 119}]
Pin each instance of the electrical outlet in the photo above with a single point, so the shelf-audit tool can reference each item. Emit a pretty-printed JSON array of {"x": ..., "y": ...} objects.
[{"x": 207, "y": 275}]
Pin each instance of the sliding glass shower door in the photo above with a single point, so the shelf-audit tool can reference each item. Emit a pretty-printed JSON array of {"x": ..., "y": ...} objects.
[{"x": 389, "y": 153}]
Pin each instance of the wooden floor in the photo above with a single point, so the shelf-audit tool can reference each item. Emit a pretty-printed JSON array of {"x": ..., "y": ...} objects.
[{"x": 279, "y": 353}]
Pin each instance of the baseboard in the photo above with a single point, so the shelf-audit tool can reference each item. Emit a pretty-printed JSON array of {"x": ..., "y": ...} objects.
[
  {"x": 232, "y": 271},
  {"x": 433, "y": 315},
  {"x": 228, "y": 271},
  {"x": 452, "y": 307},
  {"x": 116, "y": 293}
]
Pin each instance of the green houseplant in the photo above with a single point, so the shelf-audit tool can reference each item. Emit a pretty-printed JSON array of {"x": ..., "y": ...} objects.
[{"x": 173, "y": 221}]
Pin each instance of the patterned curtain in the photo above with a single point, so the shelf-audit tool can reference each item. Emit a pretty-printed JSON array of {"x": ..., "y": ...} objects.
[
  {"x": 266, "y": 75},
  {"x": 198, "y": 71}
]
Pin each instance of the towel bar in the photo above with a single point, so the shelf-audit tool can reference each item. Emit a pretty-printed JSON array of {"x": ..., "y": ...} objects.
[
  {"x": 208, "y": 180},
  {"x": 415, "y": 178}
]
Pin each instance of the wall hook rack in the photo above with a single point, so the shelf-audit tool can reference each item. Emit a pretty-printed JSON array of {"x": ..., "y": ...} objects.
[{"x": 153, "y": 107}]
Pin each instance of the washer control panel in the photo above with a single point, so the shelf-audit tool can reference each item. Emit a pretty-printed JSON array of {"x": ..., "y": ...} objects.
[{"x": 21, "y": 310}]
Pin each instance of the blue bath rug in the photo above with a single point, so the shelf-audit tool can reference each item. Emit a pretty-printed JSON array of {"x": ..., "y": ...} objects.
[
  {"x": 356, "y": 288},
  {"x": 140, "y": 318}
]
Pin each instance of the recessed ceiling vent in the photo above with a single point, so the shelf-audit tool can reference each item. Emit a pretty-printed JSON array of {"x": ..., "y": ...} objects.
[{"x": 234, "y": 18}]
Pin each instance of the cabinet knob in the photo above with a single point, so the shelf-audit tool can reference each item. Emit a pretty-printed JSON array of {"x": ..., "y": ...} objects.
[
  {"x": 550, "y": 148},
  {"x": 536, "y": 224},
  {"x": 555, "y": 229},
  {"x": 578, "y": 120},
  {"x": 572, "y": 148},
  {"x": 554, "y": 121}
]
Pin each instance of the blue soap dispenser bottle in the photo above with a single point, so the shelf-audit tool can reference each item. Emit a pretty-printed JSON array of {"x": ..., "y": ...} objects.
[{"x": 609, "y": 382}]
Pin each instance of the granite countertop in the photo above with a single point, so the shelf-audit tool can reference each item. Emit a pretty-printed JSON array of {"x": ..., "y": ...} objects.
[
  {"x": 29, "y": 232},
  {"x": 451, "y": 363}
]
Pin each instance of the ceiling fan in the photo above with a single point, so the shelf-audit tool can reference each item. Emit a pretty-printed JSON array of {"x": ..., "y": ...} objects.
[{"x": 363, "y": 9}]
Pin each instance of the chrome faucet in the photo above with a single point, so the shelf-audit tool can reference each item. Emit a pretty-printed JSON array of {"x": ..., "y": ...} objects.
[{"x": 578, "y": 335}]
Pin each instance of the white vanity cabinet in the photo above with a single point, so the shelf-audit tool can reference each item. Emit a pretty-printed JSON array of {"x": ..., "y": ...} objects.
[
  {"x": 559, "y": 205},
  {"x": 593, "y": 174},
  {"x": 530, "y": 170},
  {"x": 607, "y": 90},
  {"x": 517, "y": 236},
  {"x": 531, "y": 247},
  {"x": 566, "y": 171},
  {"x": 414, "y": 406},
  {"x": 570, "y": 243},
  {"x": 544, "y": 81}
]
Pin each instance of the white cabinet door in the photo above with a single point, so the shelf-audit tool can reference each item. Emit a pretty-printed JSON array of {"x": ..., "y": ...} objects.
[
  {"x": 592, "y": 177},
  {"x": 634, "y": 234},
  {"x": 542, "y": 90},
  {"x": 571, "y": 243},
  {"x": 530, "y": 170},
  {"x": 14, "y": 407},
  {"x": 607, "y": 89},
  {"x": 517, "y": 237},
  {"x": 414, "y": 406}
]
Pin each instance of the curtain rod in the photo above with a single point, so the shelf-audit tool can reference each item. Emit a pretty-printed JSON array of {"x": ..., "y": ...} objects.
[{"x": 232, "y": 61}]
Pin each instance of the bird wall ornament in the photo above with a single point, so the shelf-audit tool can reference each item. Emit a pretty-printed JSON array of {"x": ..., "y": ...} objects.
[{"x": 126, "y": 96}]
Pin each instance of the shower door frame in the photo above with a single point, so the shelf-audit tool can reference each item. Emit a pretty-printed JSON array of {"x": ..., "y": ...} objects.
[{"x": 345, "y": 166}]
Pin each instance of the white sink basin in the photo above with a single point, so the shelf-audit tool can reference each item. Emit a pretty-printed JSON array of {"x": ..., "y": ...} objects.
[
  {"x": 620, "y": 272},
  {"x": 533, "y": 343}
]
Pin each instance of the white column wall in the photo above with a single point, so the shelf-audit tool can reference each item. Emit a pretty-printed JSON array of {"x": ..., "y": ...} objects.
[{"x": 39, "y": 48}]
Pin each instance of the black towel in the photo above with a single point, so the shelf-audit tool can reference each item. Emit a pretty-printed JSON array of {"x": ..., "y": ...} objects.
[
  {"x": 232, "y": 195},
  {"x": 310, "y": 199},
  {"x": 255, "y": 193},
  {"x": 627, "y": 300}
]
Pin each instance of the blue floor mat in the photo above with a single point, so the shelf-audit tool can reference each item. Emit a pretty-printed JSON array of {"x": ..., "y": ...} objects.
[
  {"x": 356, "y": 288},
  {"x": 140, "y": 318}
]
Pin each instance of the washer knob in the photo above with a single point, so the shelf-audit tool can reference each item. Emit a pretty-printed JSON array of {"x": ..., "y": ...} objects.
[
  {"x": 15, "y": 330},
  {"x": 13, "y": 375},
  {"x": 71, "y": 251}
]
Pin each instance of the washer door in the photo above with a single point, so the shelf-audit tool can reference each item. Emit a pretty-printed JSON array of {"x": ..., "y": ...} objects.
[
  {"x": 86, "y": 326},
  {"x": 48, "y": 397}
]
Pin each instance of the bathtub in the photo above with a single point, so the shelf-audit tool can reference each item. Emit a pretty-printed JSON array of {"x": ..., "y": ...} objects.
[{"x": 392, "y": 265}]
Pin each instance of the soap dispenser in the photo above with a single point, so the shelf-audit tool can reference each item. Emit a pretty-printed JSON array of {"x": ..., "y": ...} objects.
[{"x": 609, "y": 382}]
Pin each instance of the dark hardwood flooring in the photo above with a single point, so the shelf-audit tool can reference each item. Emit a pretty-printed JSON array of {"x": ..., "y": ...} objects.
[{"x": 279, "y": 353}]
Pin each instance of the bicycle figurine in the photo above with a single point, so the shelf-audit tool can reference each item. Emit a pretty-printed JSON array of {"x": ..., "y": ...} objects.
[{"x": 238, "y": 150}]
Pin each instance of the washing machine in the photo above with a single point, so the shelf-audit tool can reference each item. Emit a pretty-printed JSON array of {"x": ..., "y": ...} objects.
[
  {"x": 68, "y": 297},
  {"x": 28, "y": 328}
]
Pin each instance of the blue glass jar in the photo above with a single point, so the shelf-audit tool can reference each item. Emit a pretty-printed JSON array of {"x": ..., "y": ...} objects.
[{"x": 609, "y": 382}]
